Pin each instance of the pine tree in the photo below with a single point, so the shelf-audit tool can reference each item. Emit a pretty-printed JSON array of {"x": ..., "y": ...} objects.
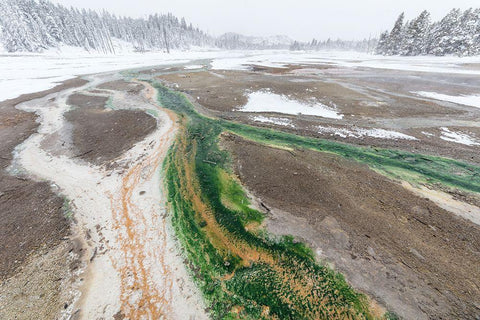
[
  {"x": 415, "y": 35},
  {"x": 396, "y": 36},
  {"x": 383, "y": 42},
  {"x": 34, "y": 25},
  {"x": 457, "y": 33}
]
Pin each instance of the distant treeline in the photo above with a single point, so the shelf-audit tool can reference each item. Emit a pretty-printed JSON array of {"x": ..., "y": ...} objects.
[
  {"x": 458, "y": 33},
  {"x": 365, "y": 45},
  {"x": 234, "y": 41},
  {"x": 29, "y": 25}
]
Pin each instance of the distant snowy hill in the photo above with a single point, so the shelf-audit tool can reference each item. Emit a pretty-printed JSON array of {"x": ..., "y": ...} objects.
[{"x": 237, "y": 41}]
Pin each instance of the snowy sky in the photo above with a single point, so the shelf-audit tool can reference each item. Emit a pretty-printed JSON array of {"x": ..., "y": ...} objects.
[{"x": 299, "y": 19}]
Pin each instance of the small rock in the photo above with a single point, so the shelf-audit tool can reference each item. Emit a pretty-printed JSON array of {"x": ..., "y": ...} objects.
[
  {"x": 371, "y": 252},
  {"x": 416, "y": 254}
]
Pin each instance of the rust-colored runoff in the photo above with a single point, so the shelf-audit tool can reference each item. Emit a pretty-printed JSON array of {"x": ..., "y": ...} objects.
[{"x": 143, "y": 294}]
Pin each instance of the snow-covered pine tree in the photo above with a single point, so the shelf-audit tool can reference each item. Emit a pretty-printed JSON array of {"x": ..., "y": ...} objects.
[
  {"x": 457, "y": 33},
  {"x": 476, "y": 38},
  {"x": 34, "y": 25},
  {"x": 382, "y": 46},
  {"x": 395, "y": 38},
  {"x": 415, "y": 35},
  {"x": 465, "y": 44}
]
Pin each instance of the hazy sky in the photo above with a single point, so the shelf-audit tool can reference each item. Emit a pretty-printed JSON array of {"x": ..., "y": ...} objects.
[{"x": 299, "y": 19}]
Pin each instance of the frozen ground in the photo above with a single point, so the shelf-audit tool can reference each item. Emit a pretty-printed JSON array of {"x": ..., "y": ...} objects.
[
  {"x": 194, "y": 66},
  {"x": 473, "y": 101},
  {"x": 274, "y": 120},
  {"x": 458, "y": 137},
  {"x": 27, "y": 73},
  {"x": 362, "y": 132},
  {"x": 280, "y": 59}
]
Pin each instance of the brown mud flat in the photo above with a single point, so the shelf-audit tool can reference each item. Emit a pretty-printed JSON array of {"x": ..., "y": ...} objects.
[
  {"x": 225, "y": 91},
  {"x": 100, "y": 135},
  {"x": 368, "y": 99},
  {"x": 122, "y": 85},
  {"x": 31, "y": 217},
  {"x": 407, "y": 253}
]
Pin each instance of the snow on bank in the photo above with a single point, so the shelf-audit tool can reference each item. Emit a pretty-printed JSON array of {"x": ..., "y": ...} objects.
[
  {"x": 472, "y": 101},
  {"x": 28, "y": 73},
  {"x": 243, "y": 63},
  {"x": 266, "y": 101},
  {"x": 361, "y": 132},
  {"x": 281, "y": 58},
  {"x": 193, "y": 67},
  {"x": 278, "y": 121},
  {"x": 458, "y": 137}
]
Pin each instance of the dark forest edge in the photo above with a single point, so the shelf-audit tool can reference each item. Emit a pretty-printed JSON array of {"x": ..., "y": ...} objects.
[{"x": 38, "y": 25}]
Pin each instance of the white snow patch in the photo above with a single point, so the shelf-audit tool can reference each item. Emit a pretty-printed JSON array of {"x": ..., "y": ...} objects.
[
  {"x": 428, "y": 134},
  {"x": 193, "y": 67},
  {"x": 362, "y": 132},
  {"x": 280, "y": 58},
  {"x": 458, "y": 137},
  {"x": 473, "y": 100},
  {"x": 273, "y": 120},
  {"x": 266, "y": 101},
  {"x": 242, "y": 60},
  {"x": 229, "y": 64}
]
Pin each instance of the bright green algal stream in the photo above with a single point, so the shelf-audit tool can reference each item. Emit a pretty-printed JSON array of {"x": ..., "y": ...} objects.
[{"x": 242, "y": 272}]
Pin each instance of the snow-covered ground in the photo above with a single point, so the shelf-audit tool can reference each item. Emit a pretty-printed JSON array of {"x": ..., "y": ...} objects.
[
  {"x": 274, "y": 120},
  {"x": 265, "y": 101},
  {"x": 279, "y": 59},
  {"x": 27, "y": 73},
  {"x": 355, "y": 132},
  {"x": 194, "y": 66},
  {"x": 458, "y": 137},
  {"x": 473, "y": 100}
]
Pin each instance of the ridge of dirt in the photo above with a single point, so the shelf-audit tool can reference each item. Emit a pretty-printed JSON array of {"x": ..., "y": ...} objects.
[
  {"x": 101, "y": 135},
  {"x": 122, "y": 85},
  {"x": 399, "y": 248}
]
